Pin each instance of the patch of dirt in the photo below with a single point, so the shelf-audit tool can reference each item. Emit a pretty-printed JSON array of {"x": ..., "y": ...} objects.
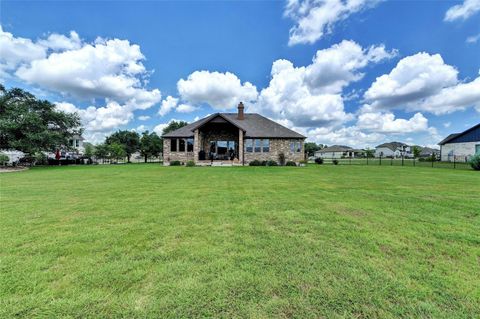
[{"x": 8, "y": 169}]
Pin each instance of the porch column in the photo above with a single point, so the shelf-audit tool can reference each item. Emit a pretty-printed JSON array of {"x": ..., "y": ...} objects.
[
  {"x": 196, "y": 146},
  {"x": 240, "y": 145}
]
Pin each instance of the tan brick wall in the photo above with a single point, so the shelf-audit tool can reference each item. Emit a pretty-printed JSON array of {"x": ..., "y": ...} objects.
[
  {"x": 277, "y": 146},
  {"x": 169, "y": 156}
]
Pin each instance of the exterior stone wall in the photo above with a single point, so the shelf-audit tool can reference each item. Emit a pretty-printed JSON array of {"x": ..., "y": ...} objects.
[
  {"x": 277, "y": 146},
  {"x": 169, "y": 156},
  {"x": 461, "y": 151}
]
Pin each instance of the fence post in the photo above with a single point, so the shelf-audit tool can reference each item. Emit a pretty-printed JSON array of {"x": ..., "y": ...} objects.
[
  {"x": 391, "y": 161},
  {"x": 414, "y": 162},
  {"x": 454, "y": 162},
  {"x": 367, "y": 159},
  {"x": 402, "y": 160},
  {"x": 350, "y": 160},
  {"x": 380, "y": 160}
]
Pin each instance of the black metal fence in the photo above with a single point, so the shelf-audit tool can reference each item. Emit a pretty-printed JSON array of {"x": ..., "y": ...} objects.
[{"x": 456, "y": 163}]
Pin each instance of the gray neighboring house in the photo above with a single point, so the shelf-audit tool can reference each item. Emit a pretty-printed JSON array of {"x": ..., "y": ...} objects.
[
  {"x": 339, "y": 151},
  {"x": 393, "y": 149},
  {"x": 232, "y": 138},
  {"x": 427, "y": 152},
  {"x": 461, "y": 146}
]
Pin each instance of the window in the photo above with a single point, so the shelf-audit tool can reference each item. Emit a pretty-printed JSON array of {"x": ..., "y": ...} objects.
[
  {"x": 77, "y": 143},
  {"x": 173, "y": 145},
  {"x": 258, "y": 145},
  {"x": 181, "y": 145},
  {"x": 292, "y": 146},
  {"x": 266, "y": 145},
  {"x": 298, "y": 147},
  {"x": 189, "y": 144},
  {"x": 70, "y": 142},
  {"x": 249, "y": 145}
]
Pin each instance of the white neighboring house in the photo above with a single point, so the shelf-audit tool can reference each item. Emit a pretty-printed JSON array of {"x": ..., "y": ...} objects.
[
  {"x": 76, "y": 149},
  {"x": 461, "y": 146},
  {"x": 14, "y": 156},
  {"x": 338, "y": 151},
  {"x": 393, "y": 149}
]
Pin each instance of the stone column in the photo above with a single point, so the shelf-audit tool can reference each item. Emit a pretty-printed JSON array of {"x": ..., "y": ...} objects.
[
  {"x": 196, "y": 145},
  {"x": 240, "y": 146}
]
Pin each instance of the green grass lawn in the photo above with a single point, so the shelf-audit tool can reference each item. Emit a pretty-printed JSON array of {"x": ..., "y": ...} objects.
[{"x": 327, "y": 241}]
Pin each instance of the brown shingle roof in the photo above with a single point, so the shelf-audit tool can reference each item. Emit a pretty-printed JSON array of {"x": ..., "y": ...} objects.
[{"x": 254, "y": 125}]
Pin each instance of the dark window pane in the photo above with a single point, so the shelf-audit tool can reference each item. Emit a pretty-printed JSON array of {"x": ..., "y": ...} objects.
[
  {"x": 258, "y": 145},
  {"x": 173, "y": 145},
  {"x": 266, "y": 145},
  {"x": 249, "y": 145},
  {"x": 292, "y": 147},
  {"x": 190, "y": 145},
  {"x": 222, "y": 147},
  {"x": 181, "y": 145}
]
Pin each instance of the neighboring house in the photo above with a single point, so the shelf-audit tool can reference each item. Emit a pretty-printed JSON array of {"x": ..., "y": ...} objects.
[
  {"x": 393, "y": 149},
  {"x": 428, "y": 152},
  {"x": 339, "y": 151},
  {"x": 233, "y": 138},
  {"x": 461, "y": 146},
  {"x": 73, "y": 150}
]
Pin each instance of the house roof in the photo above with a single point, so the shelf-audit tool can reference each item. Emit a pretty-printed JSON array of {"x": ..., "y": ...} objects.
[
  {"x": 392, "y": 145},
  {"x": 253, "y": 125},
  {"x": 336, "y": 148},
  {"x": 428, "y": 151},
  {"x": 452, "y": 137}
]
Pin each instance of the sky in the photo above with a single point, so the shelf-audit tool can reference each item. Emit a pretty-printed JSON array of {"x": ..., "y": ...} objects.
[{"x": 351, "y": 72}]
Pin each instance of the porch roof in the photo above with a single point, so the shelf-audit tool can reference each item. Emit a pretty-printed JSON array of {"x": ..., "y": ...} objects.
[{"x": 253, "y": 125}]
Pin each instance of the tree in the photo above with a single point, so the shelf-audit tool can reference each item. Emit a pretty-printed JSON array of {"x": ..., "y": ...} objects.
[
  {"x": 102, "y": 151},
  {"x": 128, "y": 139},
  {"x": 31, "y": 125},
  {"x": 311, "y": 148},
  {"x": 369, "y": 152},
  {"x": 117, "y": 151},
  {"x": 150, "y": 145},
  {"x": 89, "y": 150},
  {"x": 416, "y": 151},
  {"x": 173, "y": 125}
]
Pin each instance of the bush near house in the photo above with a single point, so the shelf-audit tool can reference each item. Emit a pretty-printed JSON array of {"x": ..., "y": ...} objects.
[
  {"x": 290, "y": 163},
  {"x": 175, "y": 163},
  {"x": 255, "y": 163},
  {"x": 272, "y": 163},
  {"x": 319, "y": 160},
  {"x": 475, "y": 162},
  {"x": 335, "y": 162},
  {"x": 190, "y": 164},
  {"x": 4, "y": 159}
]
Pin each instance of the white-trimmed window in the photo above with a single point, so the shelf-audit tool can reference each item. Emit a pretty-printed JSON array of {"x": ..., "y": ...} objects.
[
  {"x": 249, "y": 145},
  {"x": 258, "y": 145},
  {"x": 265, "y": 145}
]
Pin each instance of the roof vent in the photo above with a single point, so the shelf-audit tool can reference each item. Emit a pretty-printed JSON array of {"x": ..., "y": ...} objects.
[{"x": 241, "y": 114}]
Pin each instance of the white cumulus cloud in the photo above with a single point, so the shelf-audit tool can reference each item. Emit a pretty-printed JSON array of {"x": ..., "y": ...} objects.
[
  {"x": 315, "y": 18},
  {"x": 387, "y": 123},
  {"x": 168, "y": 105},
  {"x": 462, "y": 11},
  {"x": 219, "y": 90},
  {"x": 311, "y": 95},
  {"x": 423, "y": 82}
]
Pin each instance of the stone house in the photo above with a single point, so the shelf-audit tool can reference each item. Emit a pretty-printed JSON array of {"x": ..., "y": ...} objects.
[
  {"x": 461, "y": 146},
  {"x": 232, "y": 139}
]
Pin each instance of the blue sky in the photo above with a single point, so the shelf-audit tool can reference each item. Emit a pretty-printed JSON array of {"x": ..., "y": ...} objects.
[{"x": 339, "y": 71}]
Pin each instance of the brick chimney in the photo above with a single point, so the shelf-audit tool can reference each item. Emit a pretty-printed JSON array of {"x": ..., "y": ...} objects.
[{"x": 241, "y": 115}]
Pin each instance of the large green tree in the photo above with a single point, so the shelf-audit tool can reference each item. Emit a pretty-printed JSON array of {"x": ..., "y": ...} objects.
[
  {"x": 311, "y": 148},
  {"x": 128, "y": 139},
  {"x": 150, "y": 145},
  {"x": 32, "y": 125}
]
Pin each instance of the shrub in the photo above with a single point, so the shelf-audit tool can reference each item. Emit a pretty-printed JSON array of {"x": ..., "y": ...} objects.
[
  {"x": 272, "y": 163},
  {"x": 281, "y": 159},
  {"x": 303, "y": 162},
  {"x": 335, "y": 162},
  {"x": 475, "y": 162},
  {"x": 175, "y": 163},
  {"x": 255, "y": 163},
  {"x": 4, "y": 159},
  {"x": 263, "y": 163},
  {"x": 290, "y": 163},
  {"x": 190, "y": 164},
  {"x": 319, "y": 160},
  {"x": 41, "y": 159}
]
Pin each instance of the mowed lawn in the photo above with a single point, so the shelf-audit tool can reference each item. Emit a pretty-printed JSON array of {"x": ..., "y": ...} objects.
[{"x": 146, "y": 241}]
